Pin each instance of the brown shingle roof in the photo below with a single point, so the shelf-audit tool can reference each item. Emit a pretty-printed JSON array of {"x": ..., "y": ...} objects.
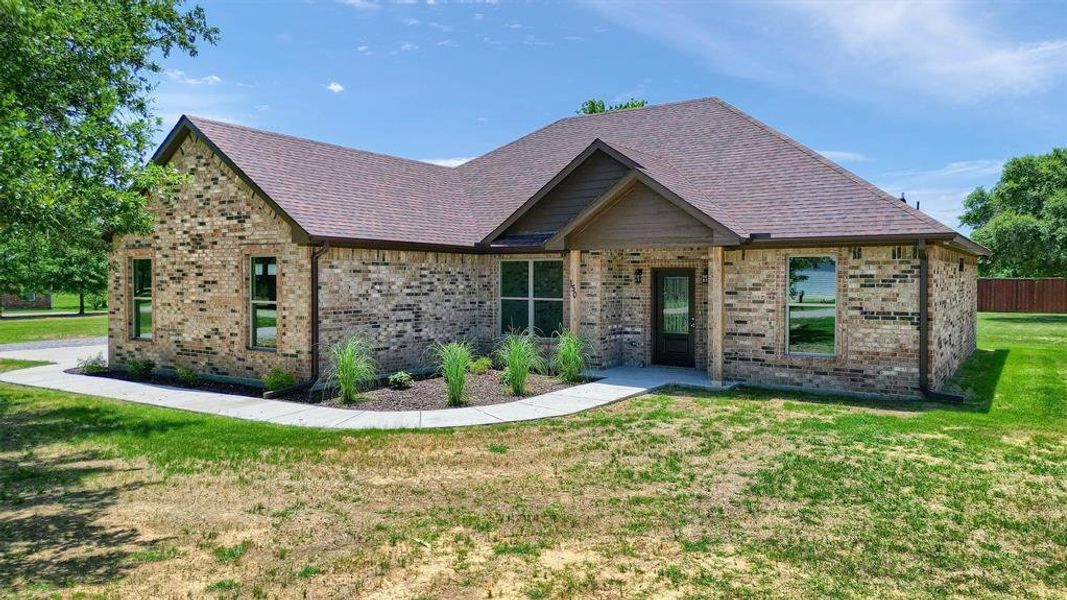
[{"x": 736, "y": 170}]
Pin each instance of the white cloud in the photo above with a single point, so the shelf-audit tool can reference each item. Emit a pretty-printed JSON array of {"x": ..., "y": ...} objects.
[
  {"x": 335, "y": 87},
  {"x": 843, "y": 155},
  {"x": 362, "y": 4},
  {"x": 181, "y": 77},
  {"x": 947, "y": 51},
  {"x": 408, "y": 47},
  {"x": 440, "y": 26},
  {"x": 363, "y": 49},
  {"x": 411, "y": 22},
  {"x": 262, "y": 107},
  {"x": 574, "y": 38},
  {"x": 447, "y": 43},
  {"x": 514, "y": 26},
  {"x": 478, "y": 16},
  {"x": 448, "y": 162},
  {"x": 940, "y": 191}
]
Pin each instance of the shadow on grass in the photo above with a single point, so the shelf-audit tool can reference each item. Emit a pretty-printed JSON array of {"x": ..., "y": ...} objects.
[
  {"x": 1024, "y": 318},
  {"x": 51, "y": 535}
]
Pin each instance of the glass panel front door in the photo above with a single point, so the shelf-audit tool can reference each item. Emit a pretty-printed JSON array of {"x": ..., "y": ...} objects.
[{"x": 673, "y": 295}]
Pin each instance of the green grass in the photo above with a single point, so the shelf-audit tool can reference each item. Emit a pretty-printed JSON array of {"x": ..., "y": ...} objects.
[
  {"x": 743, "y": 494},
  {"x": 51, "y": 328}
]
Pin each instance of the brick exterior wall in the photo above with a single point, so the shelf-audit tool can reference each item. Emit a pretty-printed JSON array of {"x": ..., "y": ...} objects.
[
  {"x": 200, "y": 250},
  {"x": 403, "y": 301},
  {"x": 953, "y": 296},
  {"x": 877, "y": 322},
  {"x": 616, "y": 310}
]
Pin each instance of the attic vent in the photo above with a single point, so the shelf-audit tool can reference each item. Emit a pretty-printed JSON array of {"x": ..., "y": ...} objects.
[
  {"x": 961, "y": 265},
  {"x": 857, "y": 252},
  {"x": 903, "y": 252}
]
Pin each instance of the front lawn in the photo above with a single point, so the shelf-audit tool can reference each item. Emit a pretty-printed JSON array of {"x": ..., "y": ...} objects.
[
  {"x": 745, "y": 494},
  {"x": 51, "y": 328}
]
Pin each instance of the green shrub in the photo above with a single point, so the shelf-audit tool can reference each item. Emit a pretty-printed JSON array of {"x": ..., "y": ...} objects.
[
  {"x": 277, "y": 379},
  {"x": 504, "y": 377},
  {"x": 352, "y": 368},
  {"x": 520, "y": 356},
  {"x": 187, "y": 376},
  {"x": 482, "y": 365},
  {"x": 140, "y": 369},
  {"x": 454, "y": 360},
  {"x": 92, "y": 365},
  {"x": 570, "y": 356},
  {"x": 400, "y": 380}
]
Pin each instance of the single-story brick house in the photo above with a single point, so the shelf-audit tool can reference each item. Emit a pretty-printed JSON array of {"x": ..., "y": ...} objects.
[{"x": 684, "y": 234}]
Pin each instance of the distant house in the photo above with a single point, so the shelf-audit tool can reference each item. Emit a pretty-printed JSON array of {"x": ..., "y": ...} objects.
[
  {"x": 685, "y": 234},
  {"x": 27, "y": 300}
]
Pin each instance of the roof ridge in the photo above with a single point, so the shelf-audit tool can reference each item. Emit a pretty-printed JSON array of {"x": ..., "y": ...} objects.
[
  {"x": 639, "y": 108},
  {"x": 873, "y": 189},
  {"x": 298, "y": 138}
]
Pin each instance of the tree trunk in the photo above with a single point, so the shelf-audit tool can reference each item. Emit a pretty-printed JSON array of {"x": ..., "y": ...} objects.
[{"x": 81, "y": 304}]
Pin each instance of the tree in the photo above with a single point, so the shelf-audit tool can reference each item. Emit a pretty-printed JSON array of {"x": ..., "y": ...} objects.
[
  {"x": 1023, "y": 219},
  {"x": 593, "y": 106},
  {"x": 75, "y": 111}
]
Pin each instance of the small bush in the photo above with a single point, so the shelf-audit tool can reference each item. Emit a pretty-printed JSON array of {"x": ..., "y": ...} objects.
[
  {"x": 481, "y": 366},
  {"x": 570, "y": 356},
  {"x": 520, "y": 356},
  {"x": 187, "y": 376},
  {"x": 352, "y": 368},
  {"x": 91, "y": 365},
  {"x": 230, "y": 554},
  {"x": 400, "y": 380},
  {"x": 140, "y": 369},
  {"x": 277, "y": 379},
  {"x": 454, "y": 359}
]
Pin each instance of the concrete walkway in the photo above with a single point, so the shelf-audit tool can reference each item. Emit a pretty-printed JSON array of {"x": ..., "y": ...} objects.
[{"x": 617, "y": 384}]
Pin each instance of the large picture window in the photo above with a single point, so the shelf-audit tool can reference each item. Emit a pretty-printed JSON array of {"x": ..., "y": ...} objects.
[
  {"x": 812, "y": 305},
  {"x": 531, "y": 296},
  {"x": 263, "y": 303},
  {"x": 142, "y": 298}
]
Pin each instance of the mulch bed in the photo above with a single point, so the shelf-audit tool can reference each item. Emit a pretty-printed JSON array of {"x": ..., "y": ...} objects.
[
  {"x": 204, "y": 385},
  {"x": 430, "y": 393}
]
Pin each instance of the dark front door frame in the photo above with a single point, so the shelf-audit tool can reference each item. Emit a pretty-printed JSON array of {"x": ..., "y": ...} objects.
[{"x": 660, "y": 354}]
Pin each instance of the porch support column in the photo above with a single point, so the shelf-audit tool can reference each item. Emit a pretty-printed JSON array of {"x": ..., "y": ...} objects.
[
  {"x": 716, "y": 313},
  {"x": 576, "y": 290}
]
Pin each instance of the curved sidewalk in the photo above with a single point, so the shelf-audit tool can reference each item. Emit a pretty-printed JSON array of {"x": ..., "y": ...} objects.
[{"x": 616, "y": 384}]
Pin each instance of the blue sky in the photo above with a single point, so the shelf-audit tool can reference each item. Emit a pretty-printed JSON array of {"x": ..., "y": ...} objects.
[{"x": 923, "y": 98}]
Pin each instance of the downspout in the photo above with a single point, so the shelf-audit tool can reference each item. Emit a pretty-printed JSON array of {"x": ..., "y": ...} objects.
[
  {"x": 924, "y": 318},
  {"x": 314, "y": 329},
  {"x": 315, "y": 309},
  {"x": 924, "y": 331}
]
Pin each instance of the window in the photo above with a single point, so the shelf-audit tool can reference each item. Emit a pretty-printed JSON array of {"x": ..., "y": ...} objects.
[
  {"x": 263, "y": 303},
  {"x": 142, "y": 298},
  {"x": 531, "y": 293},
  {"x": 812, "y": 305}
]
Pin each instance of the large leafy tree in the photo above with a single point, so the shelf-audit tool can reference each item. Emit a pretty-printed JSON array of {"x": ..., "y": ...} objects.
[
  {"x": 76, "y": 118},
  {"x": 1023, "y": 219}
]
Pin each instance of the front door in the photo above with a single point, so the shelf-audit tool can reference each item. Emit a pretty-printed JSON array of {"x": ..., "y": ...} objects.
[{"x": 672, "y": 317}]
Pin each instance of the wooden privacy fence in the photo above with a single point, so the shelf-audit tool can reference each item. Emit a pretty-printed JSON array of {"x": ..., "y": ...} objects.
[{"x": 1023, "y": 295}]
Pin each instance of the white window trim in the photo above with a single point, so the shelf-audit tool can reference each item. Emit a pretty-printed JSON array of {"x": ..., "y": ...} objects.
[
  {"x": 134, "y": 298},
  {"x": 788, "y": 305},
  {"x": 252, "y": 302},
  {"x": 529, "y": 298}
]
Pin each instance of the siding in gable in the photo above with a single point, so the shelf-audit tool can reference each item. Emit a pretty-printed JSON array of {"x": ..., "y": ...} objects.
[
  {"x": 641, "y": 218},
  {"x": 587, "y": 182}
]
